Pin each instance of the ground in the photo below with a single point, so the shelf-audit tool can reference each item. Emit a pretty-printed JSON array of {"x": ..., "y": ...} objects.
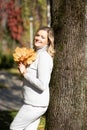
[{"x": 11, "y": 93}]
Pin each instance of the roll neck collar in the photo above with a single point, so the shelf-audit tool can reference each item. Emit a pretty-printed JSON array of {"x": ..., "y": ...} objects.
[{"x": 42, "y": 49}]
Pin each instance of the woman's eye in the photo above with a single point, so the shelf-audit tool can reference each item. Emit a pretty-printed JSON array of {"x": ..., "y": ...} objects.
[
  {"x": 37, "y": 35},
  {"x": 42, "y": 37}
]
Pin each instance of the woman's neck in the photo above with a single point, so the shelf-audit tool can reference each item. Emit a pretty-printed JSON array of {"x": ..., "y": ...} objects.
[{"x": 44, "y": 48}]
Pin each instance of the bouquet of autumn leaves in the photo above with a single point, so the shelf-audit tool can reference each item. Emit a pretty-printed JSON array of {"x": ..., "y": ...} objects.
[{"x": 24, "y": 55}]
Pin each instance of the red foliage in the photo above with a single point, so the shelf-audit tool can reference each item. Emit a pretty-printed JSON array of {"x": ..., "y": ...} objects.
[{"x": 14, "y": 19}]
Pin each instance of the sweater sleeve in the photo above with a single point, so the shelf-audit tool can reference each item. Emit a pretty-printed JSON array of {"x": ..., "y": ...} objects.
[{"x": 45, "y": 65}]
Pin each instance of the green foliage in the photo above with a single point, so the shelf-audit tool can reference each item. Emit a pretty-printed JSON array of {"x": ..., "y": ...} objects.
[
  {"x": 37, "y": 10},
  {"x": 5, "y": 120},
  {"x": 6, "y": 61}
]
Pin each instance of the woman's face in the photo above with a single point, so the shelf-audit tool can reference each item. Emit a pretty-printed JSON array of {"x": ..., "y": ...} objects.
[{"x": 40, "y": 39}]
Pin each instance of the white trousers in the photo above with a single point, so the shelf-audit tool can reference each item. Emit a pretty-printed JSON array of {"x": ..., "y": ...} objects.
[{"x": 28, "y": 118}]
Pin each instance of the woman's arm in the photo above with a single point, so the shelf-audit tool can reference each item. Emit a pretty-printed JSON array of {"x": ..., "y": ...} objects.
[{"x": 45, "y": 65}]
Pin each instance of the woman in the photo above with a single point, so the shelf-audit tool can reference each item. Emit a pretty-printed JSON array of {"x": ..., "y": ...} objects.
[{"x": 36, "y": 82}]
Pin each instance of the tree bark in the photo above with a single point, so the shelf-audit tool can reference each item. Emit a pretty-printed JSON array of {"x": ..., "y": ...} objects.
[{"x": 68, "y": 86}]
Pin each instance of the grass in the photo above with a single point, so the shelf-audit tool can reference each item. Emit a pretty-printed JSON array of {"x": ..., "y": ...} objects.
[
  {"x": 6, "y": 118},
  {"x": 3, "y": 86},
  {"x": 14, "y": 71},
  {"x": 42, "y": 123}
]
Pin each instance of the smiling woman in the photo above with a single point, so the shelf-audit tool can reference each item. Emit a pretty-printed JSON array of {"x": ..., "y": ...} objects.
[
  {"x": 36, "y": 82},
  {"x": 45, "y": 36},
  {"x": 40, "y": 39}
]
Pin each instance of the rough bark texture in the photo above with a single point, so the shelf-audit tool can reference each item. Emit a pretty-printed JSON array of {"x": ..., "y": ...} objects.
[{"x": 68, "y": 103}]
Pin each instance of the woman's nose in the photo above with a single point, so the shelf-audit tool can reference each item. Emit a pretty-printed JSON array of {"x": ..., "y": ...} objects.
[{"x": 38, "y": 38}]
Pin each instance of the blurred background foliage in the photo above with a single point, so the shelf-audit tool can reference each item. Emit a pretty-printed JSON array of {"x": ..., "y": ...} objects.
[{"x": 16, "y": 17}]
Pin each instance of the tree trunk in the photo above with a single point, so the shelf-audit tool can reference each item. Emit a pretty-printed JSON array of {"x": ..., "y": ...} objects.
[{"x": 68, "y": 87}]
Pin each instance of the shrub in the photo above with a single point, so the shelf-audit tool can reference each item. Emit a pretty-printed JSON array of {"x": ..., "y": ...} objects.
[{"x": 6, "y": 61}]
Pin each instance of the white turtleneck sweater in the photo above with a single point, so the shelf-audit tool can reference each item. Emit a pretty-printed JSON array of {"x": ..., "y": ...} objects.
[{"x": 37, "y": 78}]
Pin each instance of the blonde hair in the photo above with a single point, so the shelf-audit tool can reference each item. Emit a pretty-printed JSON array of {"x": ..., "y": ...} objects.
[{"x": 50, "y": 35}]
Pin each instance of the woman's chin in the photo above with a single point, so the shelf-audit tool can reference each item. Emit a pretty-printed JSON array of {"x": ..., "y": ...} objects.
[{"x": 37, "y": 45}]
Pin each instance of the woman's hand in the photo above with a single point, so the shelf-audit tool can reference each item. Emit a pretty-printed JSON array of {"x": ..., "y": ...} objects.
[{"x": 22, "y": 68}]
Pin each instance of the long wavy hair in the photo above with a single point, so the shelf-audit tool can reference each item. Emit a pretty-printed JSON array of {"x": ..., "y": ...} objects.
[{"x": 50, "y": 35}]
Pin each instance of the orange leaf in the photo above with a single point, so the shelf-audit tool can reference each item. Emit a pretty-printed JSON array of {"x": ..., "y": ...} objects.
[{"x": 24, "y": 55}]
